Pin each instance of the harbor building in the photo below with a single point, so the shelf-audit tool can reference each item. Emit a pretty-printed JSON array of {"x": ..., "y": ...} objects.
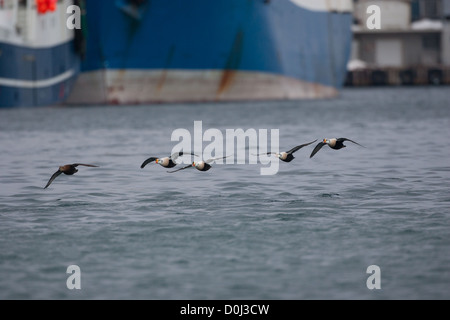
[{"x": 400, "y": 42}]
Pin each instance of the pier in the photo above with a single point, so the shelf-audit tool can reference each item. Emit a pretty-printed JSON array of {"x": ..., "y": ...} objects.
[{"x": 398, "y": 76}]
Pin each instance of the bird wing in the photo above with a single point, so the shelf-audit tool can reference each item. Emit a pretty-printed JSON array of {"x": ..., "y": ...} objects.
[
  {"x": 57, "y": 173},
  {"x": 189, "y": 166},
  {"x": 179, "y": 154},
  {"x": 345, "y": 139},
  {"x": 299, "y": 147},
  {"x": 317, "y": 148},
  {"x": 146, "y": 162},
  {"x": 214, "y": 159},
  {"x": 86, "y": 165},
  {"x": 264, "y": 154}
]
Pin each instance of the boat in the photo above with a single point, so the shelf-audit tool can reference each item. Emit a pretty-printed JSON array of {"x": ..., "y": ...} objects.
[
  {"x": 160, "y": 51},
  {"x": 39, "y": 61}
]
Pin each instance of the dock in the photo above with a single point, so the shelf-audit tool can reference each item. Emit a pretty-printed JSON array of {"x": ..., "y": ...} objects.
[{"x": 398, "y": 76}]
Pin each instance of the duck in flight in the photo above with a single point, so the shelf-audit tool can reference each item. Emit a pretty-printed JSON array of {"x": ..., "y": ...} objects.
[
  {"x": 200, "y": 165},
  {"x": 288, "y": 156},
  {"x": 167, "y": 162},
  {"x": 335, "y": 143},
  {"x": 68, "y": 169}
]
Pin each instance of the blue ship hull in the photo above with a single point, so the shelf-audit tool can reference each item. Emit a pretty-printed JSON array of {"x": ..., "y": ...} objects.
[
  {"x": 202, "y": 50},
  {"x": 36, "y": 76},
  {"x": 39, "y": 62}
]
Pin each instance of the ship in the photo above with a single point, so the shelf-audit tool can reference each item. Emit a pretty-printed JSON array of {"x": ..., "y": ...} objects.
[
  {"x": 39, "y": 61},
  {"x": 161, "y": 51}
]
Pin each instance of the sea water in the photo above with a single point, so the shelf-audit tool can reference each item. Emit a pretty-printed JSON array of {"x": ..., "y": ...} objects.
[{"x": 311, "y": 231}]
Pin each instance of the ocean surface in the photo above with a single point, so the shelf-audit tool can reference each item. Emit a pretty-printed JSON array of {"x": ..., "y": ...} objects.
[{"x": 311, "y": 231}]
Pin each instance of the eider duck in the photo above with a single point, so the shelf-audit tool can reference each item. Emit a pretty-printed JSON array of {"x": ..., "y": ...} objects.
[
  {"x": 334, "y": 143},
  {"x": 68, "y": 169},
  {"x": 200, "y": 165},
  {"x": 167, "y": 162},
  {"x": 288, "y": 155}
]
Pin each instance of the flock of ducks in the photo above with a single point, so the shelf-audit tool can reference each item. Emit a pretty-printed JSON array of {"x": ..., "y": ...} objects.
[{"x": 169, "y": 162}]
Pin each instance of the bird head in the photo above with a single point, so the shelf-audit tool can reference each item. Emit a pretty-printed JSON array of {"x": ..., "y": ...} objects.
[
  {"x": 326, "y": 141},
  {"x": 198, "y": 165},
  {"x": 157, "y": 161}
]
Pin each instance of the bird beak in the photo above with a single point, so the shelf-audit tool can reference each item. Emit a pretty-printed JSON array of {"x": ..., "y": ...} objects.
[
  {"x": 157, "y": 160},
  {"x": 324, "y": 140},
  {"x": 193, "y": 164}
]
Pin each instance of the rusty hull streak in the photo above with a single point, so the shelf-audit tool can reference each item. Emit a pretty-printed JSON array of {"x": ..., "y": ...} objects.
[
  {"x": 162, "y": 80},
  {"x": 226, "y": 81},
  {"x": 167, "y": 64},
  {"x": 317, "y": 89},
  {"x": 232, "y": 64}
]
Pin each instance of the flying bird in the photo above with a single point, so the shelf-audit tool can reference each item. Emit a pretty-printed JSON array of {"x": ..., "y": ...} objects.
[
  {"x": 200, "y": 165},
  {"x": 167, "y": 162},
  {"x": 334, "y": 143},
  {"x": 288, "y": 155},
  {"x": 68, "y": 169}
]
